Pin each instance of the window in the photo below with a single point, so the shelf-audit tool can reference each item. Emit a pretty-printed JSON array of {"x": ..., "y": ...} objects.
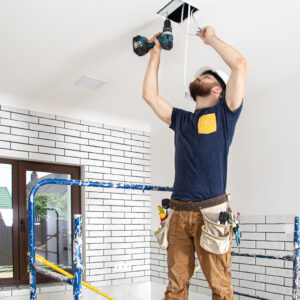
[{"x": 55, "y": 206}]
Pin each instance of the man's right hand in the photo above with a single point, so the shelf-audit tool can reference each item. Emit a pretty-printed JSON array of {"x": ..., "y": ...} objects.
[{"x": 157, "y": 47}]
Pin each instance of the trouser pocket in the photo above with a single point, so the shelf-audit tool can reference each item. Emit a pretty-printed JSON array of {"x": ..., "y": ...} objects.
[
  {"x": 162, "y": 234},
  {"x": 215, "y": 237}
]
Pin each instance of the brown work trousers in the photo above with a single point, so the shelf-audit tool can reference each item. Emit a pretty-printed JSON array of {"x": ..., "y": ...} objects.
[{"x": 184, "y": 238}]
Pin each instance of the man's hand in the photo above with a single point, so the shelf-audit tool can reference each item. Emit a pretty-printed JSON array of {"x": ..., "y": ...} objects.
[
  {"x": 157, "y": 47},
  {"x": 207, "y": 34}
]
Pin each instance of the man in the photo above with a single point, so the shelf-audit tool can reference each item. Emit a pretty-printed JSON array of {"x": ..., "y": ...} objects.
[{"x": 202, "y": 141}]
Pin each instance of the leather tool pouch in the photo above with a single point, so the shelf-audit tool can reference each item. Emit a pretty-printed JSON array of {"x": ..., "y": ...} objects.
[
  {"x": 162, "y": 234},
  {"x": 215, "y": 238}
]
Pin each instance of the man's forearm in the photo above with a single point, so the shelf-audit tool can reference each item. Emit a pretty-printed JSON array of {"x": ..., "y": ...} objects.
[
  {"x": 150, "y": 86},
  {"x": 231, "y": 56}
]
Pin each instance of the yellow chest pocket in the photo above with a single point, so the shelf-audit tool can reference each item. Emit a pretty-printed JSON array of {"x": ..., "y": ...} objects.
[{"x": 207, "y": 123}]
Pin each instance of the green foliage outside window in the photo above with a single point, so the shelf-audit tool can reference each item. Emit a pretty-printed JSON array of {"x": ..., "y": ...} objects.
[{"x": 44, "y": 201}]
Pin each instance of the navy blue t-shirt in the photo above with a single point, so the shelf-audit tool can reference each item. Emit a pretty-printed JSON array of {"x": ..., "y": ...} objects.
[{"x": 202, "y": 140}]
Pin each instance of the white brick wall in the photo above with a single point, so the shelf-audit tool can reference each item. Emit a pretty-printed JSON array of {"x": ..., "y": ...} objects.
[
  {"x": 117, "y": 221},
  {"x": 269, "y": 278}
]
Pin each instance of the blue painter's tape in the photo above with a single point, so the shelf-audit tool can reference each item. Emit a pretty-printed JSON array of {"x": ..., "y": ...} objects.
[
  {"x": 287, "y": 257},
  {"x": 250, "y": 296}
]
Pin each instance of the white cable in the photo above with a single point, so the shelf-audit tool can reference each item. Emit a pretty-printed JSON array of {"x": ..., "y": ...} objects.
[
  {"x": 185, "y": 54},
  {"x": 182, "y": 10},
  {"x": 197, "y": 29},
  {"x": 189, "y": 33},
  {"x": 195, "y": 25}
]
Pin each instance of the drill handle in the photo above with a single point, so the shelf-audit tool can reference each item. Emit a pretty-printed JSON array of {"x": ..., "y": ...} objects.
[{"x": 151, "y": 45}]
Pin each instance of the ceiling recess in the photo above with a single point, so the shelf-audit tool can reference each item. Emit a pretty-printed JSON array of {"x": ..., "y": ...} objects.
[
  {"x": 173, "y": 10},
  {"x": 89, "y": 82}
]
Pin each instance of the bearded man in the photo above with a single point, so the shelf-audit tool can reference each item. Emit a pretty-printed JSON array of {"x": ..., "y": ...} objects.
[{"x": 202, "y": 140}]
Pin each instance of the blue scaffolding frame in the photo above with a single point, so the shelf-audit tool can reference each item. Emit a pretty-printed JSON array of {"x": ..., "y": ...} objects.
[{"x": 77, "y": 244}]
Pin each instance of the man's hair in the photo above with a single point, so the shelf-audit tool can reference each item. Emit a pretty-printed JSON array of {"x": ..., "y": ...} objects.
[{"x": 219, "y": 79}]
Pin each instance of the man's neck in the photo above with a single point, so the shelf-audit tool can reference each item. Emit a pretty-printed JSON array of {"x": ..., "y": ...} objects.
[{"x": 208, "y": 101}]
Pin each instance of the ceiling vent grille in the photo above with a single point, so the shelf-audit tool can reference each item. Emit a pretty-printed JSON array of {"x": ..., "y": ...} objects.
[{"x": 89, "y": 82}]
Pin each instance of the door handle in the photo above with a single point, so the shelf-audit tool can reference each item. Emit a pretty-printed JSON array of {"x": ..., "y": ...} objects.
[{"x": 22, "y": 225}]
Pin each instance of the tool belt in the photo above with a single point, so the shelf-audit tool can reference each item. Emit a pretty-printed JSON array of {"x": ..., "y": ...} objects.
[
  {"x": 199, "y": 204},
  {"x": 215, "y": 237}
]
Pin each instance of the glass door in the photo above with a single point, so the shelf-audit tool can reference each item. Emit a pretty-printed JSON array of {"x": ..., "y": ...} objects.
[
  {"x": 54, "y": 207},
  {"x": 53, "y": 218}
]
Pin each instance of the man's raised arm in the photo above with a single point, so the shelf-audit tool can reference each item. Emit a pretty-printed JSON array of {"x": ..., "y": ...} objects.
[
  {"x": 235, "y": 88},
  {"x": 160, "y": 106}
]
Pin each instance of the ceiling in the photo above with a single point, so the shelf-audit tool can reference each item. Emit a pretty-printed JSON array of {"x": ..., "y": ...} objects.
[{"x": 47, "y": 45}]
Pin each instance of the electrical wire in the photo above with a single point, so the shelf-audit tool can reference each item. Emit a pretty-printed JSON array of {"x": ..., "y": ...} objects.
[
  {"x": 198, "y": 28},
  {"x": 190, "y": 17},
  {"x": 182, "y": 10},
  {"x": 194, "y": 23},
  {"x": 185, "y": 53},
  {"x": 190, "y": 20}
]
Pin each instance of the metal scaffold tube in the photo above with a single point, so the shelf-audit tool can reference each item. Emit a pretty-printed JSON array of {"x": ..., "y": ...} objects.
[
  {"x": 296, "y": 259},
  {"x": 77, "y": 268},
  {"x": 77, "y": 245},
  {"x": 77, "y": 258}
]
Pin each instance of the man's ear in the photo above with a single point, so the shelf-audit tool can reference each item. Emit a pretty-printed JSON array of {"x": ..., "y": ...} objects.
[
  {"x": 221, "y": 90},
  {"x": 217, "y": 90}
]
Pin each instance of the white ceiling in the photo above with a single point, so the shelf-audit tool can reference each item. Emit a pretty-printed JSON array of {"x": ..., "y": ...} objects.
[{"x": 47, "y": 45}]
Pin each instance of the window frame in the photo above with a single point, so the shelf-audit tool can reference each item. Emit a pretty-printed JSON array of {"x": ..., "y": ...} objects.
[
  {"x": 20, "y": 232},
  {"x": 15, "y": 228}
]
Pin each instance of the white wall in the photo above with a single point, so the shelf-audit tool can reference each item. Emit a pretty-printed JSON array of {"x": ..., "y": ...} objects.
[
  {"x": 264, "y": 159},
  {"x": 162, "y": 166}
]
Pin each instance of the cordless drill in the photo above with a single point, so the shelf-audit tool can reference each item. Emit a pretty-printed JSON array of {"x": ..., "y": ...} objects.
[{"x": 141, "y": 46}]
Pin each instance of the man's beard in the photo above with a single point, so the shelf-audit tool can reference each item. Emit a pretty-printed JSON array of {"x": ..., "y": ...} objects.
[{"x": 199, "y": 88}]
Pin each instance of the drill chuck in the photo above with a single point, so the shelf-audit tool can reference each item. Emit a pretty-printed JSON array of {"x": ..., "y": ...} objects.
[{"x": 167, "y": 26}]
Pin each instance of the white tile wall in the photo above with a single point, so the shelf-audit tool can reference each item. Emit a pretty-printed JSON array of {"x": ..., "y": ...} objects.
[
  {"x": 262, "y": 277},
  {"x": 117, "y": 221}
]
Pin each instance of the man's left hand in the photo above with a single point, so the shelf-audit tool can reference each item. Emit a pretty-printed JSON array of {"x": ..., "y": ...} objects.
[{"x": 207, "y": 34}]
